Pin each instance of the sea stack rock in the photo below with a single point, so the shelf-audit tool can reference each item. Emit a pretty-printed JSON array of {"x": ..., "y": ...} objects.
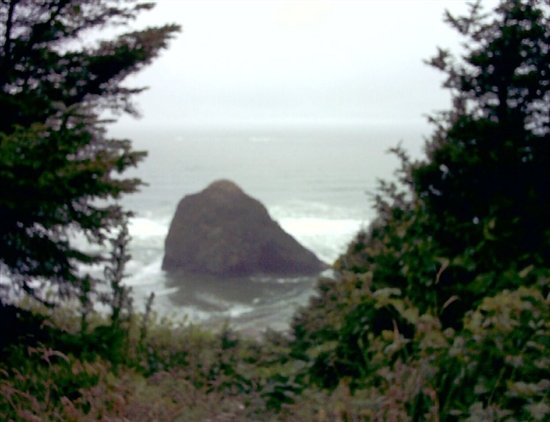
[{"x": 222, "y": 231}]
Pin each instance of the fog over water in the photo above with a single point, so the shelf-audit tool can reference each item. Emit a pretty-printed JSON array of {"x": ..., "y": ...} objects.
[
  {"x": 257, "y": 63},
  {"x": 296, "y": 102}
]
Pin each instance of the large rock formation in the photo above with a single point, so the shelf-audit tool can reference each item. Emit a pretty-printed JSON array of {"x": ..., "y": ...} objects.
[{"x": 223, "y": 231}]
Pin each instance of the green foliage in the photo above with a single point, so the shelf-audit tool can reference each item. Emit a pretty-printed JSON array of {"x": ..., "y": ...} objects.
[
  {"x": 58, "y": 171},
  {"x": 484, "y": 183},
  {"x": 438, "y": 310},
  {"x": 476, "y": 208},
  {"x": 402, "y": 364},
  {"x": 176, "y": 370}
]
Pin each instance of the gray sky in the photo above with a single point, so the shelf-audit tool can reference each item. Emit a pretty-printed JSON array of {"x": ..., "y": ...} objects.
[{"x": 285, "y": 62}]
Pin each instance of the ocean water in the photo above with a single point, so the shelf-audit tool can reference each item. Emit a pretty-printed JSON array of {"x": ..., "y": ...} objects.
[{"x": 314, "y": 183}]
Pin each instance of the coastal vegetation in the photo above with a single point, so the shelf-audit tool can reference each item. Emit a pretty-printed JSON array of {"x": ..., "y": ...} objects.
[{"x": 439, "y": 310}]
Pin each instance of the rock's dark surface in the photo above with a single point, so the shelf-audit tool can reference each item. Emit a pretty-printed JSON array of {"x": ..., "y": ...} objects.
[{"x": 223, "y": 231}]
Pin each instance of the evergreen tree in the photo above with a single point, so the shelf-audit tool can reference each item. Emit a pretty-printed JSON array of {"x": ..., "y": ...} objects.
[
  {"x": 466, "y": 223},
  {"x": 58, "y": 170},
  {"x": 486, "y": 179},
  {"x": 477, "y": 206}
]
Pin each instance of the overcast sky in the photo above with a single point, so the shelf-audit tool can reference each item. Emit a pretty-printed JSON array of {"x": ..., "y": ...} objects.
[{"x": 295, "y": 62}]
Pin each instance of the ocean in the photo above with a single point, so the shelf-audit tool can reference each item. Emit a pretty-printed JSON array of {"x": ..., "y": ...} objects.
[{"x": 313, "y": 182}]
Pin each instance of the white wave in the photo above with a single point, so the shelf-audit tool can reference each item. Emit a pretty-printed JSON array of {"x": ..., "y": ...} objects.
[
  {"x": 327, "y": 238},
  {"x": 144, "y": 273},
  {"x": 271, "y": 279},
  {"x": 166, "y": 292},
  {"x": 238, "y": 310},
  {"x": 313, "y": 209},
  {"x": 142, "y": 227},
  {"x": 307, "y": 226},
  {"x": 213, "y": 300}
]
